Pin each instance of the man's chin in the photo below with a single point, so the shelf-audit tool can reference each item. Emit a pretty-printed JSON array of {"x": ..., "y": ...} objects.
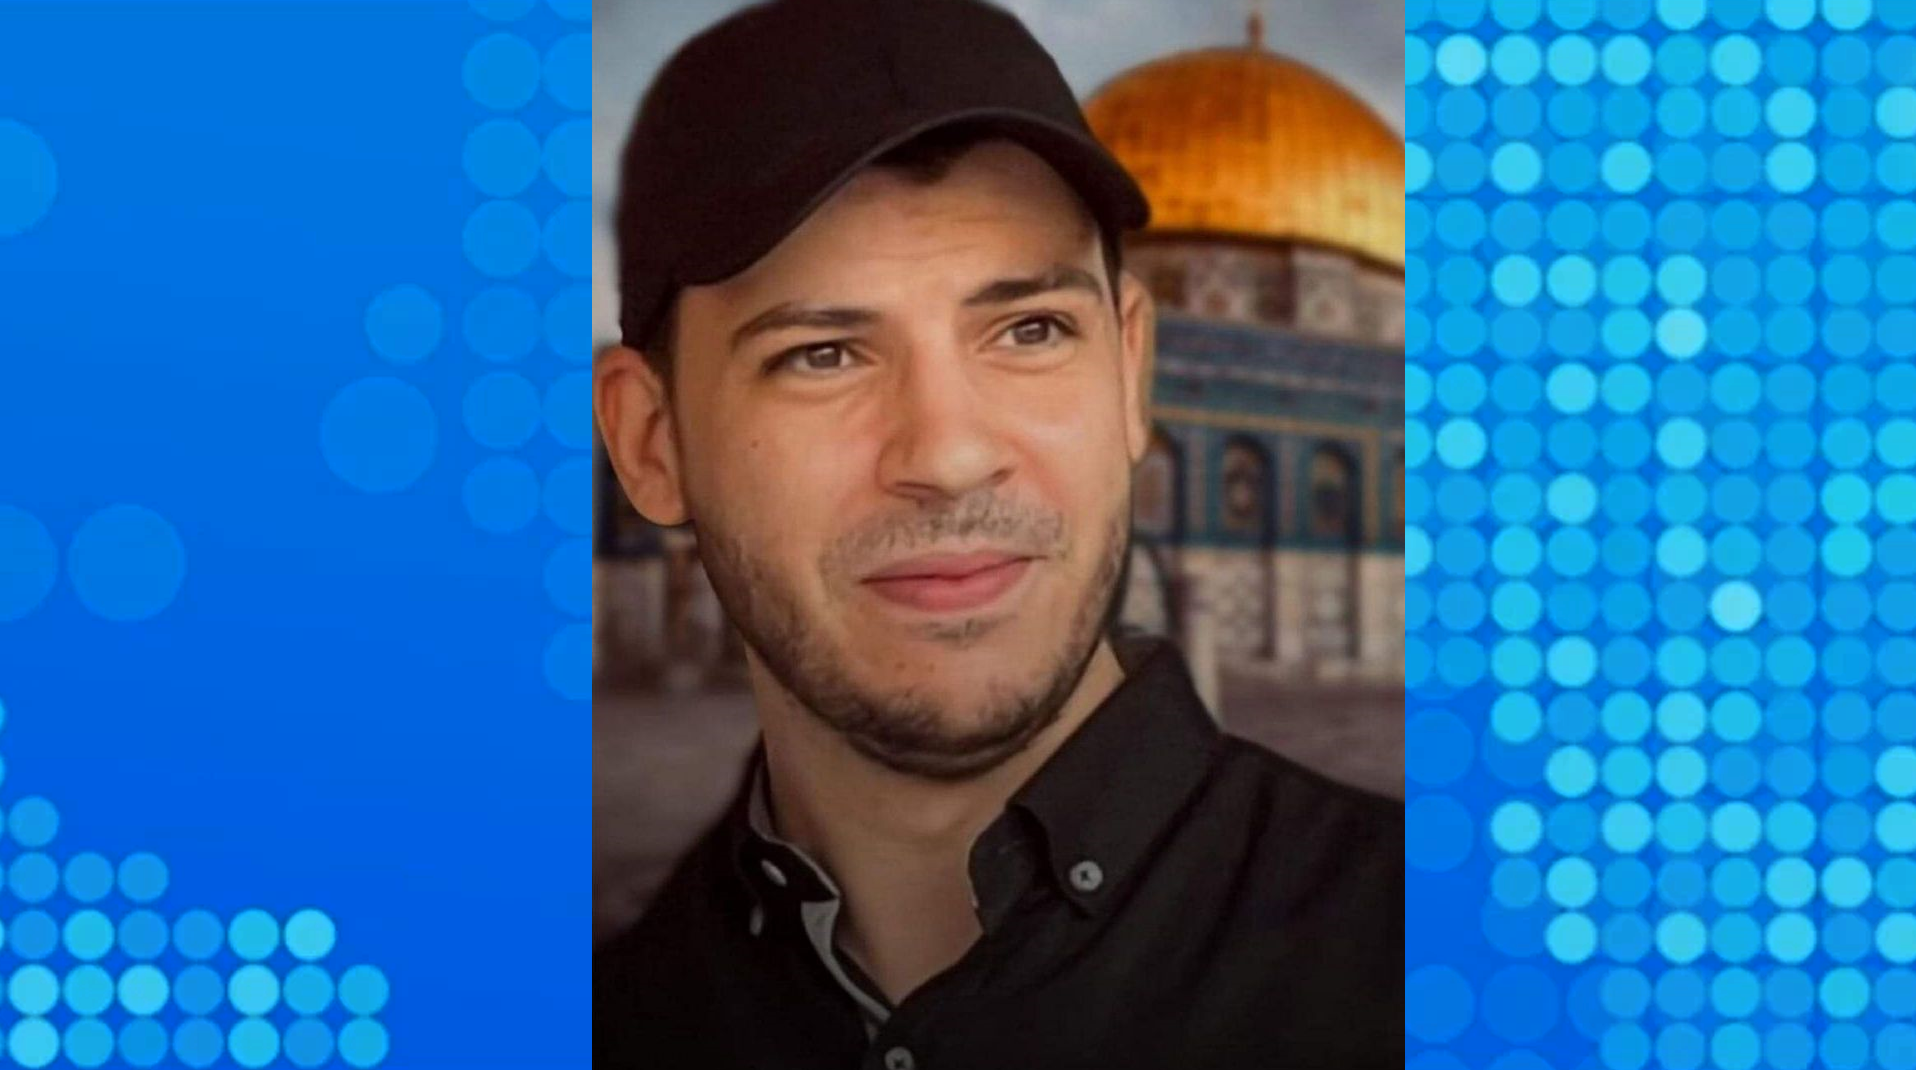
[{"x": 943, "y": 752}]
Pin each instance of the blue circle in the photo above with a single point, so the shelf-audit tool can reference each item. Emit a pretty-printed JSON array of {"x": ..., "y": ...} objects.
[
  {"x": 363, "y": 990},
  {"x": 253, "y": 934},
  {"x": 308, "y": 990},
  {"x": 33, "y": 1042},
  {"x": 88, "y": 935},
  {"x": 568, "y": 324},
  {"x": 568, "y": 71},
  {"x": 28, "y": 178},
  {"x": 33, "y": 877},
  {"x": 88, "y": 990},
  {"x": 501, "y": 410},
  {"x": 198, "y": 990},
  {"x": 362, "y": 1043},
  {"x": 142, "y": 934},
  {"x": 502, "y": 323},
  {"x": 253, "y": 989},
  {"x": 126, "y": 563},
  {"x": 403, "y": 323},
  {"x": 308, "y": 1043},
  {"x": 89, "y": 877},
  {"x": 198, "y": 1043},
  {"x": 1438, "y": 1004},
  {"x": 88, "y": 1043},
  {"x": 32, "y": 560},
  {"x": 310, "y": 935},
  {"x": 143, "y": 1042},
  {"x": 567, "y": 158},
  {"x": 501, "y": 71},
  {"x": 143, "y": 989},
  {"x": 501, "y": 495},
  {"x": 33, "y": 990},
  {"x": 568, "y": 662},
  {"x": 501, "y": 157},
  {"x": 198, "y": 934},
  {"x": 568, "y": 495},
  {"x": 568, "y": 409},
  {"x": 32, "y": 934},
  {"x": 253, "y": 1043},
  {"x": 501, "y": 238},
  {"x": 567, "y": 239},
  {"x": 379, "y": 434}
]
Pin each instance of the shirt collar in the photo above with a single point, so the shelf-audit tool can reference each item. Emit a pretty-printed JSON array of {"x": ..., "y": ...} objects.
[{"x": 1091, "y": 813}]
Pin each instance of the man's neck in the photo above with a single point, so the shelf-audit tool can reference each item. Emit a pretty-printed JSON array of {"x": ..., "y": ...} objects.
[{"x": 898, "y": 845}]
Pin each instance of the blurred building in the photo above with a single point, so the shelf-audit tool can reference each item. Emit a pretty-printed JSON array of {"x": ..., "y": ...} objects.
[{"x": 1269, "y": 510}]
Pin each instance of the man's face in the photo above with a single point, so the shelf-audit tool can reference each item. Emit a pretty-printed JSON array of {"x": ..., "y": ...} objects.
[{"x": 905, "y": 437}]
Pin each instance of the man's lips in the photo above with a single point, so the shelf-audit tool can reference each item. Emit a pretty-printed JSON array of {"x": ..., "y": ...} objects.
[{"x": 942, "y": 583}]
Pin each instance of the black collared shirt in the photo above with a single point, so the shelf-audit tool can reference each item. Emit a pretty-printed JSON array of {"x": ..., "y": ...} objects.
[{"x": 1158, "y": 895}]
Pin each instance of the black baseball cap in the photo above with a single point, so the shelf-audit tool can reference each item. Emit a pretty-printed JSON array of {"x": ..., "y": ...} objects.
[{"x": 751, "y": 125}]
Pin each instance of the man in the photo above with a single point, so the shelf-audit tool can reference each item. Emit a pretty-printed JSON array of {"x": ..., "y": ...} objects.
[{"x": 883, "y": 358}]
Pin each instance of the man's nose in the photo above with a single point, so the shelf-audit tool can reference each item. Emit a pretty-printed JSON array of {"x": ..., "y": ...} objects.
[{"x": 943, "y": 439}]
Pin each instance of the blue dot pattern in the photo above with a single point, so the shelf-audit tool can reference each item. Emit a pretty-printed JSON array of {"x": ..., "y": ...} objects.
[
  {"x": 1660, "y": 569},
  {"x": 526, "y": 410}
]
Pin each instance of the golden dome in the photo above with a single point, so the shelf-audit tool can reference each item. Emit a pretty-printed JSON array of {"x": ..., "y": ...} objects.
[{"x": 1246, "y": 142}]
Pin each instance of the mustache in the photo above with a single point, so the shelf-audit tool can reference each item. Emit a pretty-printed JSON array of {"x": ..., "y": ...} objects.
[{"x": 985, "y": 517}]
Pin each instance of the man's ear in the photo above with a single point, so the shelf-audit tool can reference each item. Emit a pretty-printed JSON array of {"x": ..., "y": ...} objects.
[
  {"x": 1138, "y": 337},
  {"x": 634, "y": 411}
]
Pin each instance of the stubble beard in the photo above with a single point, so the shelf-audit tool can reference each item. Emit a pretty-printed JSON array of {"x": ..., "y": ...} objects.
[{"x": 906, "y": 730}]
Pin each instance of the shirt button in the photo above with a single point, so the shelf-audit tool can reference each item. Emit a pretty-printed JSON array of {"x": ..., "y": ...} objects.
[
  {"x": 772, "y": 872},
  {"x": 899, "y": 1059},
  {"x": 1087, "y": 876}
]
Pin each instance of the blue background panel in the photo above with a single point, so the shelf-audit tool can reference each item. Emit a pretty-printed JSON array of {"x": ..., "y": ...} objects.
[{"x": 294, "y": 481}]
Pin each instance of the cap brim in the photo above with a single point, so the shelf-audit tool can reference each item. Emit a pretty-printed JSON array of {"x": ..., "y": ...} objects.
[{"x": 1107, "y": 189}]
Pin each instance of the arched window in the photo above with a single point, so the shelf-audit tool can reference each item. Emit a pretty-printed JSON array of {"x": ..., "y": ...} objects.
[
  {"x": 1245, "y": 479},
  {"x": 1333, "y": 495},
  {"x": 1154, "y": 492}
]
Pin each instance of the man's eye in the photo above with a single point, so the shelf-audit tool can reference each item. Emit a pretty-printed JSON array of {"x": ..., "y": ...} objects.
[
  {"x": 814, "y": 359},
  {"x": 1037, "y": 331}
]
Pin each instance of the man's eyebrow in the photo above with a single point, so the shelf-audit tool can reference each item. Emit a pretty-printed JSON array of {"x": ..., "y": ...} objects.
[
  {"x": 1057, "y": 277},
  {"x": 789, "y": 314}
]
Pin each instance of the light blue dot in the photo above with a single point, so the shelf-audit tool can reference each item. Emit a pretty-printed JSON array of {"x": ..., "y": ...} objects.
[
  {"x": 501, "y": 238},
  {"x": 1570, "y": 938},
  {"x": 309, "y": 935},
  {"x": 308, "y": 1043},
  {"x": 1846, "y": 883},
  {"x": 33, "y": 877},
  {"x": 1896, "y": 938},
  {"x": 567, "y": 239},
  {"x": 502, "y": 323},
  {"x": 253, "y": 989},
  {"x": 253, "y": 1043},
  {"x": 27, "y": 548},
  {"x": 253, "y": 935},
  {"x": 362, "y": 1043},
  {"x": 142, "y": 934},
  {"x": 1896, "y": 826},
  {"x": 198, "y": 934},
  {"x": 308, "y": 990},
  {"x": 567, "y": 158},
  {"x": 1515, "y": 60},
  {"x": 126, "y": 563},
  {"x": 198, "y": 1043},
  {"x": 568, "y": 410},
  {"x": 89, "y": 877},
  {"x": 88, "y": 1043},
  {"x": 501, "y": 71},
  {"x": 568, "y": 71},
  {"x": 142, "y": 990},
  {"x": 143, "y": 1042},
  {"x": 501, "y": 410},
  {"x": 363, "y": 990},
  {"x": 403, "y": 323},
  {"x": 501, "y": 157},
  {"x": 33, "y": 989},
  {"x": 1438, "y": 1004},
  {"x": 568, "y": 495},
  {"x": 1460, "y": 59},
  {"x": 88, "y": 935},
  {"x": 1736, "y": 606},
  {"x": 33, "y": 1042},
  {"x": 568, "y": 662},
  {"x": 198, "y": 990},
  {"x": 28, "y": 178},
  {"x": 1735, "y": 60},
  {"x": 379, "y": 434},
  {"x": 1790, "y": 167}
]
